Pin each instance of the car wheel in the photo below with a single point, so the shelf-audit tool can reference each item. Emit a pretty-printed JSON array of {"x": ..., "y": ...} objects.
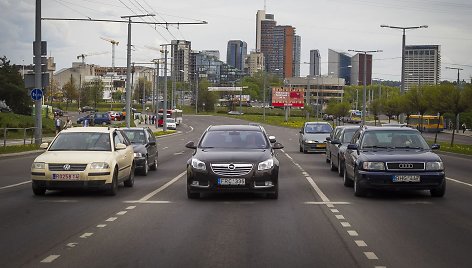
[
  {"x": 130, "y": 181},
  {"x": 440, "y": 191},
  {"x": 38, "y": 190},
  {"x": 347, "y": 181},
  {"x": 145, "y": 169},
  {"x": 359, "y": 190},
  {"x": 301, "y": 149},
  {"x": 112, "y": 188},
  {"x": 328, "y": 159},
  {"x": 333, "y": 167},
  {"x": 340, "y": 168},
  {"x": 192, "y": 195},
  {"x": 154, "y": 164}
]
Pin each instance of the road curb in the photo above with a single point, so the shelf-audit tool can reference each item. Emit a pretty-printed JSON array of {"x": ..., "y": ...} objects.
[{"x": 20, "y": 153}]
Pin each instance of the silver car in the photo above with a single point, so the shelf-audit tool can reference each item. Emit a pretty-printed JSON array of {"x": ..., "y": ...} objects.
[{"x": 313, "y": 136}]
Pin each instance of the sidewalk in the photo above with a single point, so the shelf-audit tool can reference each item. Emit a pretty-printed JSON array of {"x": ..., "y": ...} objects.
[{"x": 467, "y": 133}]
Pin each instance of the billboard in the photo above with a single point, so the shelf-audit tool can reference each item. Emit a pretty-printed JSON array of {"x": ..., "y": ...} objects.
[{"x": 287, "y": 96}]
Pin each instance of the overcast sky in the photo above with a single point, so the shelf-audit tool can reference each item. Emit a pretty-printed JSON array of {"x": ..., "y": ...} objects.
[{"x": 322, "y": 24}]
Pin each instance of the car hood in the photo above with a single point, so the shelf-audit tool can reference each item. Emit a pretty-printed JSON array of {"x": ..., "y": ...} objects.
[
  {"x": 76, "y": 157},
  {"x": 233, "y": 155},
  {"x": 320, "y": 137},
  {"x": 400, "y": 155}
]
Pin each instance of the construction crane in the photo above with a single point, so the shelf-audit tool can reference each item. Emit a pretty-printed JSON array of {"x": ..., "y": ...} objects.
[
  {"x": 83, "y": 56},
  {"x": 113, "y": 44}
]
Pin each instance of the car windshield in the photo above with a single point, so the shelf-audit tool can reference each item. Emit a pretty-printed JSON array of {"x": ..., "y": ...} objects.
[
  {"x": 394, "y": 139},
  {"x": 234, "y": 139},
  {"x": 318, "y": 128},
  {"x": 170, "y": 120},
  {"x": 348, "y": 133},
  {"x": 136, "y": 136},
  {"x": 81, "y": 141}
]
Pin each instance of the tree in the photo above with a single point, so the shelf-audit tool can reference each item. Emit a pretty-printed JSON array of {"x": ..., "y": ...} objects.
[
  {"x": 438, "y": 94},
  {"x": 206, "y": 99},
  {"x": 392, "y": 106},
  {"x": 418, "y": 102},
  {"x": 376, "y": 109},
  {"x": 12, "y": 88},
  {"x": 92, "y": 92},
  {"x": 69, "y": 91},
  {"x": 143, "y": 84},
  {"x": 458, "y": 101}
]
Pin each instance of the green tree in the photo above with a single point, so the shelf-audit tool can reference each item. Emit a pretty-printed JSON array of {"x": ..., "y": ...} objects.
[
  {"x": 12, "y": 88},
  {"x": 418, "y": 101},
  {"x": 376, "y": 109},
  {"x": 392, "y": 106},
  {"x": 438, "y": 94},
  {"x": 206, "y": 99},
  {"x": 458, "y": 101},
  {"x": 92, "y": 92},
  {"x": 69, "y": 91}
]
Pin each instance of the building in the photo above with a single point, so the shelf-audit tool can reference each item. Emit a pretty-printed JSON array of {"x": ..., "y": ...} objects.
[
  {"x": 261, "y": 16},
  {"x": 218, "y": 73},
  {"x": 267, "y": 46},
  {"x": 236, "y": 54},
  {"x": 297, "y": 47},
  {"x": 180, "y": 54},
  {"x": 357, "y": 69},
  {"x": 212, "y": 53},
  {"x": 254, "y": 63},
  {"x": 422, "y": 65},
  {"x": 315, "y": 62},
  {"x": 339, "y": 65}
]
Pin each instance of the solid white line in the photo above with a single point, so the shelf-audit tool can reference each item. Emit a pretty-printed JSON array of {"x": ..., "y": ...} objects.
[
  {"x": 163, "y": 187},
  {"x": 317, "y": 189},
  {"x": 50, "y": 258},
  {"x": 461, "y": 182},
  {"x": 371, "y": 255},
  {"x": 101, "y": 225},
  {"x": 326, "y": 203},
  {"x": 339, "y": 217},
  {"x": 352, "y": 233},
  {"x": 131, "y": 207},
  {"x": 14, "y": 185},
  {"x": 85, "y": 235},
  {"x": 111, "y": 219},
  {"x": 121, "y": 213},
  {"x": 147, "y": 202},
  {"x": 380, "y": 267},
  {"x": 360, "y": 243},
  {"x": 345, "y": 224}
]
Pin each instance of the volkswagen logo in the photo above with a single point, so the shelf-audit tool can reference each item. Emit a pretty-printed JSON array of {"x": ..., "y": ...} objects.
[
  {"x": 66, "y": 167},
  {"x": 231, "y": 167},
  {"x": 405, "y": 165}
]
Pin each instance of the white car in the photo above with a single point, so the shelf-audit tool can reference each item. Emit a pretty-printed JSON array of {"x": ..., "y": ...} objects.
[
  {"x": 84, "y": 157},
  {"x": 171, "y": 124}
]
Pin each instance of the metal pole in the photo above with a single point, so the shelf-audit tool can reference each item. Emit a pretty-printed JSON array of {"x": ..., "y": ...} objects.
[
  {"x": 38, "y": 75},
  {"x": 156, "y": 95},
  {"x": 164, "y": 108},
  {"x": 264, "y": 96},
  {"x": 458, "y": 115},
  {"x": 364, "y": 110},
  {"x": 402, "y": 88},
  {"x": 307, "y": 105},
  {"x": 128, "y": 77},
  {"x": 196, "y": 93},
  {"x": 241, "y": 99}
]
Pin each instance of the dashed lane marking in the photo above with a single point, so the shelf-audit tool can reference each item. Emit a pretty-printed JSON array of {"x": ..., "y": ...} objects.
[
  {"x": 73, "y": 244},
  {"x": 101, "y": 225},
  {"x": 179, "y": 153},
  {"x": 360, "y": 243},
  {"x": 345, "y": 224},
  {"x": 86, "y": 235},
  {"x": 352, "y": 233},
  {"x": 327, "y": 203},
  {"x": 50, "y": 258},
  {"x": 334, "y": 210},
  {"x": 147, "y": 202},
  {"x": 131, "y": 207},
  {"x": 339, "y": 217},
  {"x": 111, "y": 219},
  {"x": 121, "y": 213},
  {"x": 371, "y": 255},
  {"x": 165, "y": 148},
  {"x": 14, "y": 185}
]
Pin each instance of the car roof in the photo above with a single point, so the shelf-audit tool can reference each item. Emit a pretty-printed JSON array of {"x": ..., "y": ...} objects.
[
  {"x": 234, "y": 127},
  {"x": 373, "y": 128},
  {"x": 318, "y": 122},
  {"x": 134, "y": 128},
  {"x": 88, "y": 129}
]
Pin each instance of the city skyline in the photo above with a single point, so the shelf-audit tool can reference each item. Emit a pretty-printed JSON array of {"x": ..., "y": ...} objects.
[{"x": 448, "y": 27}]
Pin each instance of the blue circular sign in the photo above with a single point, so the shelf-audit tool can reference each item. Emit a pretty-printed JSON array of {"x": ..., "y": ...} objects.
[{"x": 36, "y": 94}]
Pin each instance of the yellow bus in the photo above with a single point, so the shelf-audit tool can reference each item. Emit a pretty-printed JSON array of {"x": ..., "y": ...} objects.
[{"x": 430, "y": 123}]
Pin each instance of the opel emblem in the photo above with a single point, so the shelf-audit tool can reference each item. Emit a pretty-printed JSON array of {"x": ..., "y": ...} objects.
[
  {"x": 231, "y": 167},
  {"x": 405, "y": 165},
  {"x": 66, "y": 167}
]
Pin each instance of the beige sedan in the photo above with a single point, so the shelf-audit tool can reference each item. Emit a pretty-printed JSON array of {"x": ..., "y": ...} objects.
[{"x": 84, "y": 157}]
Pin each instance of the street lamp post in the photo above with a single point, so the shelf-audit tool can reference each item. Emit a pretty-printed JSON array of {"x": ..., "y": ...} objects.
[{"x": 402, "y": 88}]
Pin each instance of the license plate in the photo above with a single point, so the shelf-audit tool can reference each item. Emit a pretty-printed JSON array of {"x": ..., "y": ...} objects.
[
  {"x": 65, "y": 176},
  {"x": 406, "y": 178},
  {"x": 231, "y": 182},
  {"x": 321, "y": 145}
]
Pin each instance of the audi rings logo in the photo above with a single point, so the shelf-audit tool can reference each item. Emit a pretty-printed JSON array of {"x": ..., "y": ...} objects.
[
  {"x": 231, "y": 167},
  {"x": 66, "y": 167},
  {"x": 405, "y": 165}
]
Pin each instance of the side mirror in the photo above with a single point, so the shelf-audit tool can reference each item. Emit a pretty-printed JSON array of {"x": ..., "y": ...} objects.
[
  {"x": 328, "y": 138},
  {"x": 352, "y": 147},
  {"x": 191, "y": 145},
  {"x": 277, "y": 145},
  {"x": 301, "y": 131},
  {"x": 272, "y": 139},
  {"x": 335, "y": 142},
  {"x": 44, "y": 145},
  {"x": 435, "y": 147},
  {"x": 120, "y": 146}
]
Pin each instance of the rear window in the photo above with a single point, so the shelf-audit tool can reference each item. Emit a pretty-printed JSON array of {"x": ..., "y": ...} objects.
[{"x": 318, "y": 128}]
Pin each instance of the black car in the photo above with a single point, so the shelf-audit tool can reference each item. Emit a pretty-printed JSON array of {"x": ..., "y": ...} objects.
[
  {"x": 58, "y": 112},
  {"x": 233, "y": 158},
  {"x": 392, "y": 158},
  {"x": 145, "y": 148},
  {"x": 337, "y": 146},
  {"x": 87, "y": 109}
]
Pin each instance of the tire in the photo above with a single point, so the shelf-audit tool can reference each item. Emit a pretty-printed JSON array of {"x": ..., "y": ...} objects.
[
  {"x": 332, "y": 166},
  {"x": 274, "y": 195},
  {"x": 328, "y": 160},
  {"x": 347, "y": 181},
  {"x": 440, "y": 191},
  {"x": 340, "y": 168},
  {"x": 130, "y": 181},
  {"x": 112, "y": 188},
  {"x": 301, "y": 150},
  {"x": 191, "y": 195},
  {"x": 154, "y": 164},
  {"x": 145, "y": 169},
  {"x": 38, "y": 190},
  {"x": 359, "y": 190}
]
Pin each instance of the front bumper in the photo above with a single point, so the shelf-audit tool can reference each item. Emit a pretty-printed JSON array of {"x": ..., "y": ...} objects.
[
  {"x": 139, "y": 162},
  {"x": 314, "y": 147},
  {"x": 94, "y": 179},
  {"x": 384, "y": 180}
]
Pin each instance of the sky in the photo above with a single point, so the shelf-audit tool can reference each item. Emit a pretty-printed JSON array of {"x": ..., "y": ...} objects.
[{"x": 322, "y": 24}]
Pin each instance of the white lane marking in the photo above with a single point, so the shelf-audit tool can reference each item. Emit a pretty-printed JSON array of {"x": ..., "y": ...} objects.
[
  {"x": 461, "y": 182},
  {"x": 330, "y": 205},
  {"x": 121, "y": 213},
  {"x": 111, "y": 219},
  {"x": 327, "y": 203},
  {"x": 380, "y": 267},
  {"x": 345, "y": 224},
  {"x": 371, "y": 255},
  {"x": 147, "y": 202},
  {"x": 360, "y": 243},
  {"x": 179, "y": 153},
  {"x": 131, "y": 207},
  {"x": 60, "y": 201},
  {"x": 334, "y": 210},
  {"x": 14, "y": 185},
  {"x": 165, "y": 148},
  {"x": 50, "y": 258},
  {"x": 339, "y": 217},
  {"x": 352, "y": 233},
  {"x": 101, "y": 225},
  {"x": 163, "y": 187},
  {"x": 305, "y": 174},
  {"x": 85, "y": 235},
  {"x": 73, "y": 244},
  {"x": 239, "y": 203},
  {"x": 317, "y": 189}
]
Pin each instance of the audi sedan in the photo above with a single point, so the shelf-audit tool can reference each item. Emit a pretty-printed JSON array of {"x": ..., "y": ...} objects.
[
  {"x": 392, "y": 158},
  {"x": 233, "y": 158},
  {"x": 85, "y": 158}
]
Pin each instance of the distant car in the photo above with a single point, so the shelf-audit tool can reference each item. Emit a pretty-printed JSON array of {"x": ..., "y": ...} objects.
[
  {"x": 171, "y": 124},
  {"x": 313, "y": 136},
  {"x": 145, "y": 148},
  {"x": 88, "y": 117},
  {"x": 233, "y": 158},
  {"x": 84, "y": 157},
  {"x": 87, "y": 109},
  {"x": 58, "y": 112},
  {"x": 393, "y": 158},
  {"x": 331, "y": 137},
  {"x": 337, "y": 147},
  {"x": 235, "y": 113},
  {"x": 394, "y": 125},
  {"x": 101, "y": 119},
  {"x": 115, "y": 116}
]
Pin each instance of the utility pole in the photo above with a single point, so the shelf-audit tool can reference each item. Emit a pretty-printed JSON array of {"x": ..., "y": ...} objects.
[
  {"x": 264, "y": 97},
  {"x": 164, "y": 108},
  {"x": 38, "y": 123},
  {"x": 458, "y": 86},
  {"x": 307, "y": 98}
]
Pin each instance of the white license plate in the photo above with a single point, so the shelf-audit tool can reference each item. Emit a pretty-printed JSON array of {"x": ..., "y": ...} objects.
[
  {"x": 65, "y": 176},
  {"x": 406, "y": 178},
  {"x": 231, "y": 182}
]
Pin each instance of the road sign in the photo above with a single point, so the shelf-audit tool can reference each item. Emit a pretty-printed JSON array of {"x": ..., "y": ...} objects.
[{"x": 36, "y": 94}]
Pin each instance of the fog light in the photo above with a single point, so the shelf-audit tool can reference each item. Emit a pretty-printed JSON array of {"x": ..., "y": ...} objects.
[
  {"x": 195, "y": 183},
  {"x": 268, "y": 183}
]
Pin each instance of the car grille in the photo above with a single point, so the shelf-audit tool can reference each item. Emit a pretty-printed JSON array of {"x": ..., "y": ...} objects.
[
  {"x": 405, "y": 166},
  {"x": 63, "y": 167},
  {"x": 231, "y": 170}
]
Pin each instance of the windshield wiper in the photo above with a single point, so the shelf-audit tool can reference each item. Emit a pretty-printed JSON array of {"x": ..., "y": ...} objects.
[
  {"x": 375, "y": 147},
  {"x": 407, "y": 147}
]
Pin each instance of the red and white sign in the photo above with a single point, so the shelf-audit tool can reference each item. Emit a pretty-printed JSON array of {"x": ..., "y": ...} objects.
[{"x": 287, "y": 96}]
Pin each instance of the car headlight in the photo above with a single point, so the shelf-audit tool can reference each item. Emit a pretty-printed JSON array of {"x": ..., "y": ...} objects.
[
  {"x": 373, "y": 166},
  {"x": 138, "y": 155},
  {"x": 38, "y": 165},
  {"x": 197, "y": 164},
  {"x": 309, "y": 141},
  {"x": 268, "y": 164},
  {"x": 99, "y": 165},
  {"x": 434, "y": 166}
]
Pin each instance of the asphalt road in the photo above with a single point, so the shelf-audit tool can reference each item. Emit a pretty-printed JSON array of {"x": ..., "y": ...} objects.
[{"x": 316, "y": 222}]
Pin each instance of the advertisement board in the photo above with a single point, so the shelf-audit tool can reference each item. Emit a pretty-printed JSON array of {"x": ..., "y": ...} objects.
[{"x": 287, "y": 96}]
